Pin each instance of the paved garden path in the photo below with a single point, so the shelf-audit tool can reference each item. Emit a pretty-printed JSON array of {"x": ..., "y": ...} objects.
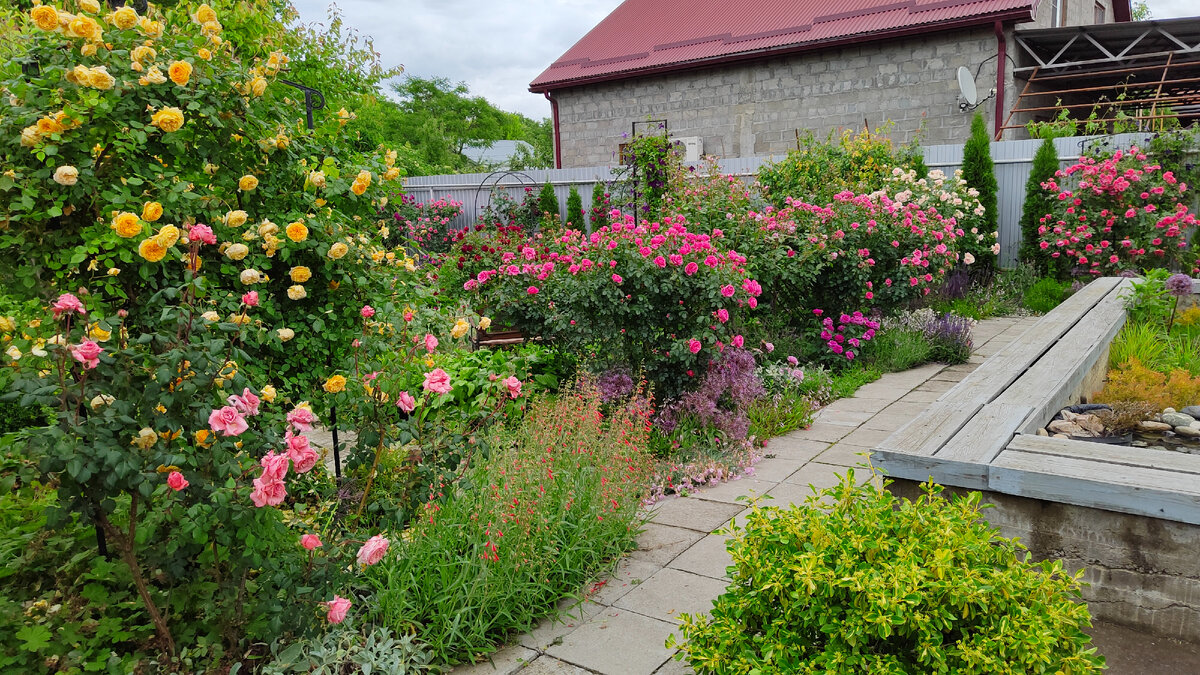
[{"x": 679, "y": 565}]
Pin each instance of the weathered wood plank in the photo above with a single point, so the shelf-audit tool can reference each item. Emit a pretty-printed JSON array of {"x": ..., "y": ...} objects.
[
  {"x": 1102, "y": 452},
  {"x": 1052, "y": 382},
  {"x": 929, "y": 431},
  {"x": 985, "y": 435},
  {"x": 923, "y": 467},
  {"x": 1004, "y": 367},
  {"x": 1142, "y": 491}
]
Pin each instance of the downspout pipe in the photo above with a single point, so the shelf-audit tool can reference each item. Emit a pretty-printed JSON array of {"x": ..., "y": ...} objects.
[
  {"x": 557, "y": 137},
  {"x": 1001, "y": 70}
]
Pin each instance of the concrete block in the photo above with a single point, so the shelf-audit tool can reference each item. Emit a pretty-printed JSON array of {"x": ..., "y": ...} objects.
[
  {"x": 640, "y": 640},
  {"x": 844, "y": 454},
  {"x": 775, "y": 469},
  {"x": 546, "y": 665},
  {"x": 629, "y": 573},
  {"x": 672, "y": 592},
  {"x": 504, "y": 662},
  {"x": 707, "y": 557},
  {"x": 822, "y": 432},
  {"x": 572, "y": 614},
  {"x": 700, "y": 512},
  {"x": 730, "y": 492},
  {"x": 660, "y": 544}
]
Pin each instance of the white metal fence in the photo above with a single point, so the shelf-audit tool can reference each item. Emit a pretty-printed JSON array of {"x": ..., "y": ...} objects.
[{"x": 1013, "y": 160}]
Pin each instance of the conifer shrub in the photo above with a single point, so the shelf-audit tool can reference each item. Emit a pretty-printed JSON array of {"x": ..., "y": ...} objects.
[
  {"x": 979, "y": 171},
  {"x": 1038, "y": 202},
  {"x": 548, "y": 202},
  {"x": 575, "y": 208}
]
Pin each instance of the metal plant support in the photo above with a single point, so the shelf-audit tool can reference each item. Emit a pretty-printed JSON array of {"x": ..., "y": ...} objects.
[
  {"x": 313, "y": 100},
  {"x": 662, "y": 124}
]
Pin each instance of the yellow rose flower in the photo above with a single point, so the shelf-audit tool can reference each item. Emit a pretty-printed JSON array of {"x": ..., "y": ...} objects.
[
  {"x": 113, "y": 271},
  {"x": 300, "y": 274},
  {"x": 211, "y": 169},
  {"x": 338, "y": 250},
  {"x": 335, "y": 384},
  {"x": 142, "y": 53},
  {"x": 285, "y": 334},
  {"x": 99, "y": 334},
  {"x": 344, "y": 116},
  {"x": 152, "y": 249},
  {"x": 145, "y": 438},
  {"x": 203, "y": 438},
  {"x": 460, "y": 329},
  {"x": 211, "y": 316},
  {"x": 236, "y": 218},
  {"x": 389, "y": 158},
  {"x": 85, "y": 27},
  {"x": 127, "y": 225},
  {"x": 45, "y": 17},
  {"x": 89, "y": 6},
  {"x": 267, "y": 228},
  {"x": 239, "y": 319},
  {"x": 180, "y": 72},
  {"x": 7, "y": 324},
  {"x": 333, "y": 285},
  {"x": 124, "y": 18},
  {"x": 151, "y": 211},
  {"x": 237, "y": 251},
  {"x": 204, "y": 14},
  {"x": 247, "y": 183},
  {"x": 358, "y": 188},
  {"x": 391, "y": 174},
  {"x": 89, "y": 49},
  {"x": 168, "y": 236},
  {"x": 13, "y": 352},
  {"x": 363, "y": 176},
  {"x": 66, "y": 175},
  {"x": 250, "y": 277},
  {"x": 150, "y": 28},
  {"x": 268, "y": 394},
  {"x": 297, "y": 231},
  {"x": 98, "y": 78},
  {"x": 168, "y": 119},
  {"x": 484, "y": 323},
  {"x": 204, "y": 54},
  {"x": 297, "y": 292},
  {"x": 30, "y": 136},
  {"x": 258, "y": 86},
  {"x": 101, "y": 400}
]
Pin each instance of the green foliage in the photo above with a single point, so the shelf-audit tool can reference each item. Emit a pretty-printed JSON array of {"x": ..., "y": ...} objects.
[
  {"x": 847, "y": 381},
  {"x": 897, "y": 349},
  {"x": 473, "y": 571},
  {"x": 1061, "y": 126},
  {"x": 817, "y": 170},
  {"x": 858, "y": 581},
  {"x": 548, "y": 203},
  {"x": 642, "y": 182},
  {"x": 779, "y": 414},
  {"x": 344, "y": 649},
  {"x": 1138, "y": 340},
  {"x": 575, "y": 214},
  {"x": 598, "y": 213},
  {"x": 1046, "y": 294},
  {"x": 979, "y": 171},
  {"x": 439, "y": 119},
  {"x": 1147, "y": 299},
  {"x": 1038, "y": 203}
]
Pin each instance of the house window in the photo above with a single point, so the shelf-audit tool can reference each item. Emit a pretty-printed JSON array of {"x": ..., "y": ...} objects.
[
  {"x": 1099, "y": 12},
  {"x": 1058, "y": 13}
]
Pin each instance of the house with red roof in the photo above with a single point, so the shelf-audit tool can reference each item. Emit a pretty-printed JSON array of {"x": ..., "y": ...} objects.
[{"x": 744, "y": 78}]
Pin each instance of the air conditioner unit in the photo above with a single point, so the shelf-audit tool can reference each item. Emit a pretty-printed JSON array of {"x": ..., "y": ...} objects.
[{"x": 693, "y": 147}]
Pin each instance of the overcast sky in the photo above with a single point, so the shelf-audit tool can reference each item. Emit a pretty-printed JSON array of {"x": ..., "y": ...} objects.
[{"x": 498, "y": 46}]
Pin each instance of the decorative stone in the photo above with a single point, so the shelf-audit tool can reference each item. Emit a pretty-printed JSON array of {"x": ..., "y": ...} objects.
[
  {"x": 1090, "y": 423},
  {"x": 1042, "y": 432},
  {"x": 1060, "y": 436},
  {"x": 1065, "y": 427},
  {"x": 1157, "y": 447},
  {"x": 1140, "y": 444},
  {"x": 1177, "y": 419},
  {"x": 1154, "y": 426},
  {"x": 1193, "y": 410},
  {"x": 1168, "y": 410},
  {"x": 1190, "y": 432}
]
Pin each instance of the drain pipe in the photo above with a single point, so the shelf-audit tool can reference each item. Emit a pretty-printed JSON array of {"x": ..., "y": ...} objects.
[
  {"x": 1001, "y": 66},
  {"x": 557, "y": 137}
]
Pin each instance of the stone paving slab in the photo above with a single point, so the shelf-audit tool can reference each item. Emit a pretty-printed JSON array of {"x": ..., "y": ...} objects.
[
  {"x": 867, "y": 437},
  {"x": 617, "y": 642},
  {"x": 823, "y": 432},
  {"x": 674, "y": 667},
  {"x": 546, "y": 665},
  {"x": 729, "y": 492},
  {"x": 671, "y": 592},
  {"x": 707, "y": 557},
  {"x": 628, "y": 575},
  {"x": 694, "y": 514},
  {"x": 844, "y": 454},
  {"x": 550, "y": 630},
  {"x": 660, "y": 544},
  {"x": 792, "y": 447},
  {"x": 504, "y": 662},
  {"x": 846, "y": 418},
  {"x": 775, "y": 469},
  {"x": 854, "y": 404}
]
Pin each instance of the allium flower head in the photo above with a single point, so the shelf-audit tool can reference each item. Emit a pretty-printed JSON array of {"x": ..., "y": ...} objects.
[{"x": 1179, "y": 285}]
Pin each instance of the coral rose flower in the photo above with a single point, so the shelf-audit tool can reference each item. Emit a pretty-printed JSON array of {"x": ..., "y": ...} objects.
[
  {"x": 310, "y": 541},
  {"x": 176, "y": 481},
  {"x": 373, "y": 551}
]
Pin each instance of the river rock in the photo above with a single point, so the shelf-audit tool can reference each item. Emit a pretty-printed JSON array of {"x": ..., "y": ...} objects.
[
  {"x": 1193, "y": 410},
  {"x": 1168, "y": 410},
  {"x": 1150, "y": 425},
  {"x": 1140, "y": 444},
  {"x": 1177, "y": 419},
  {"x": 1091, "y": 423},
  {"x": 1060, "y": 436},
  {"x": 1065, "y": 427},
  {"x": 1190, "y": 432},
  {"x": 1042, "y": 432}
]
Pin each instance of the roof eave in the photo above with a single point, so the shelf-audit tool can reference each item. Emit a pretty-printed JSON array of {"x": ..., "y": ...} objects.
[{"x": 1014, "y": 16}]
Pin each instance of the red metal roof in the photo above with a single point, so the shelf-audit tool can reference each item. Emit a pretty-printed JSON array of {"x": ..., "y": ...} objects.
[{"x": 650, "y": 36}]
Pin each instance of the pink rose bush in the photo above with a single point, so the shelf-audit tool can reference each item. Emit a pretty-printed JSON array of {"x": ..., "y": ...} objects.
[
  {"x": 1120, "y": 213},
  {"x": 373, "y": 550}
]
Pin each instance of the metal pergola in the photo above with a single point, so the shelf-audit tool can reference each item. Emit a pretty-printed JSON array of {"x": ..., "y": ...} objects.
[{"x": 1137, "y": 74}]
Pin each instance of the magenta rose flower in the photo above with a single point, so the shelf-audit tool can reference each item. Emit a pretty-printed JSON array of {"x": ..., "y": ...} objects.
[
  {"x": 437, "y": 381},
  {"x": 87, "y": 353},
  {"x": 406, "y": 402},
  {"x": 694, "y": 346},
  {"x": 738, "y": 341},
  {"x": 373, "y": 551},
  {"x": 67, "y": 303},
  {"x": 310, "y": 541},
  {"x": 532, "y": 290},
  {"x": 338, "y": 607},
  {"x": 227, "y": 421},
  {"x": 268, "y": 492},
  {"x": 728, "y": 290},
  {"x": 513, "y": 385},
  {"x": 176, "y": 481}
]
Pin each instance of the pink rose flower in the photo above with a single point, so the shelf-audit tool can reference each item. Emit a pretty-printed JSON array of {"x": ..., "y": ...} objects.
[
  {"x": 373, "y": 551},
  {"x": 532, "y": 290},
  {"x": 513, "y": 385},
  {"x": 250, "y": 299},
  {"x": 769, "y": 347},
  {"x": 431, "y": 342},
  {"x": 722, "y": 315},
  {"x": 301, "y": 418},
  {"x": 202, "y": 233},
  {"x": 305, "y": 459},
  {"x": 296, "y": 444},
  {"x": 691, "y": 268},
  {"x": 247, "y": 403},
  {"x": 367, "y": 311},
  {"x": 406, "y": 402},
  {"x": 728, "y": 290},
  {"x": 67, "y": 304},
  {"x": 268, "y": 492},
  {"x": 310, "y": 541},
  {"x": 227, "y": 421},
  {"x": 738, "y": 341},
  {"x": 176, "y": 481},
  {"x": 617, "y": 278},
  {"x": 275, "y": 467},
  {"x": 437, "y": 381},
  {"x": 694, "y": 346},
  {"x": 337, "y": 609},
  {"x": 87, "y": 353}
]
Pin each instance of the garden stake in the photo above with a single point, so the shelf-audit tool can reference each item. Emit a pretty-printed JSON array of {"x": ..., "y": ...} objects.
[{"x": 371, "y": 476}]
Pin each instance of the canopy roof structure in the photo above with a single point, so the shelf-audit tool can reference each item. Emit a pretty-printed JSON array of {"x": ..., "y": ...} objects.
[{"x": 1113, "y": 77}]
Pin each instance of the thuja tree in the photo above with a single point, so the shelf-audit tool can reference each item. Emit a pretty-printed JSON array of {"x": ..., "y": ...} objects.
[
  {"x": 1038, "y": 202},
  {"x": 548, "y": 202},
  {"x": 574, "y": 208},
  {"x": 979, "y": 171}
]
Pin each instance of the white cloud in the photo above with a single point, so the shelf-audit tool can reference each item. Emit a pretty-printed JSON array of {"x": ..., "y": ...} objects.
[
  {"x": 497, "y": 48},
  {"x": 1172, "y": 9}
]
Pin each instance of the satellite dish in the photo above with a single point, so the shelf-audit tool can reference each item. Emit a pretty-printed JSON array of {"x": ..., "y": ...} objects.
[{"x": 966, "y": 86}]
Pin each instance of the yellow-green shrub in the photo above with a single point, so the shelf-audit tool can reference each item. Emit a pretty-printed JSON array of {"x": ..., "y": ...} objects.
[{"x": 1133, "y": 381}]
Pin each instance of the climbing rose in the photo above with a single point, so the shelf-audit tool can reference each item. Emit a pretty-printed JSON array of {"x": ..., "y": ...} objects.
[
  {"x": 694, "y": 346},
  {"x": 301, "y": 418},
  {"x": 431, "y": 342},
  {"x": 227, "y": 421},
  {"x": 87, "y": 353},
  {"x": 201, "y": 233},
  {"x": 337, "y": 609},
  {"x": 250, "y": 299},
  {"x": 176, "y": 481},
  {"x": 373, "y": 551},
  {"x": 310, "y": 541},
  {"x": 247, "y": 403},
  {"x": 728, "y": 290},
  {"x": 275, "y": 467},
  {"x": 67, "y": 303},
  {"x": 268, "y": 492},
  {"x": 367, "y": 311},
  {"x": 437, "y": 381}
]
